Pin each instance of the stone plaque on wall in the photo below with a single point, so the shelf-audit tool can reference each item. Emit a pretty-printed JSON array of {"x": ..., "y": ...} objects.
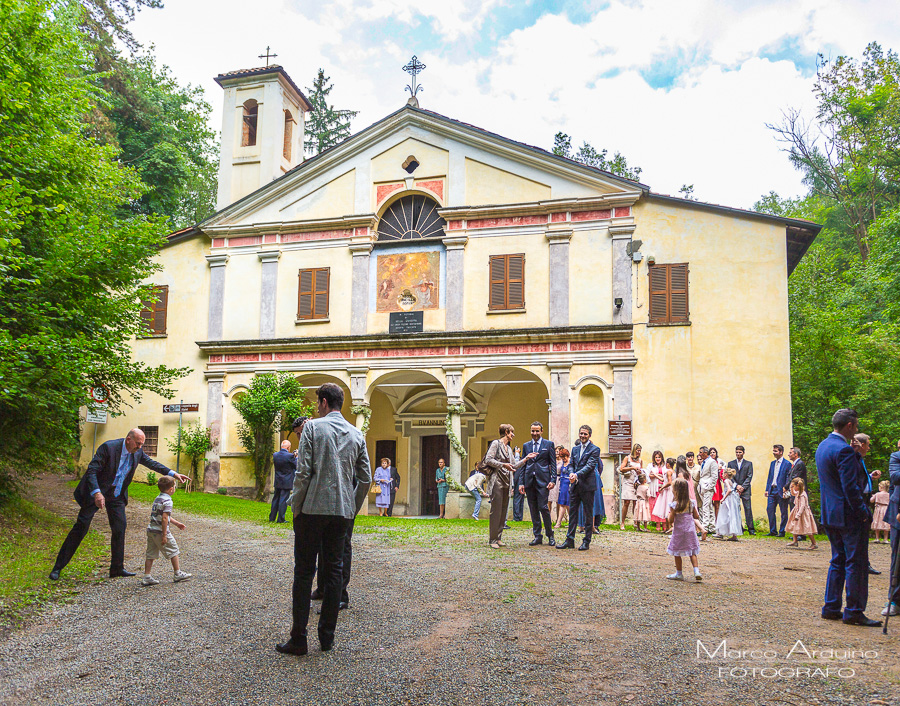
[{"x": 406, "y": 322}]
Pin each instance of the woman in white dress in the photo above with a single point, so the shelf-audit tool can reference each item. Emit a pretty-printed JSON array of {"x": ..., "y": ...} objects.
[
  {"x": 728, "y": 523},
  {"x": 631, "y": 466},
  {"x": 656, "y": 478}
]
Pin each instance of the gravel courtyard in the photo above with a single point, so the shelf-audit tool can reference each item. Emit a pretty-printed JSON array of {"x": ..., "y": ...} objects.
[{"x": 446, "y": 620}]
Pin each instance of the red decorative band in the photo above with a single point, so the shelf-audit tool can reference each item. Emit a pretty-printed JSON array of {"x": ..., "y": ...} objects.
[
  {"x": 454, "y": 225},
  {"x": 592, "y": 346},
  {"x": 590, "y": 215},
  {"x": 246, "y": 240},
  {"x": 623, "y": 345},
  {"x": 316, "y": 235},
  {"x": 513, "y": 348},
  {"x": 404, "y": 352},
  {"x": 436, "y": 187},
  {"x": 218, "y": 242},
  {"x": 382, "y": 191},
  {"x": 557, "y": 217},
  {"x": 623, "y": 211},
  {"x": 507, "y": 221}
]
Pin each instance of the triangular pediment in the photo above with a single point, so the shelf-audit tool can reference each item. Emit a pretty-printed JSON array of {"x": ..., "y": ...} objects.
[{"x": 458, "y": 165}]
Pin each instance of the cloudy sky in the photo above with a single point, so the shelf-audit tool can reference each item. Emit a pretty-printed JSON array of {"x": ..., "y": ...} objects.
[{"x": 682, "y": 88}]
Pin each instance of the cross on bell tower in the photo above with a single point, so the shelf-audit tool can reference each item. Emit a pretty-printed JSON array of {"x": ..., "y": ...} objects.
[{"x": 267, "y": 56}]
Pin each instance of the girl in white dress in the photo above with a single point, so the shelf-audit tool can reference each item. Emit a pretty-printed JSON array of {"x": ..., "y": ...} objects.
[{"x": 728, "y": 523}]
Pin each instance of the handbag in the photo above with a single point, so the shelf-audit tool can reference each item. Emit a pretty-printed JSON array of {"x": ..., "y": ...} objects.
[{"x": 482, "y": 467}]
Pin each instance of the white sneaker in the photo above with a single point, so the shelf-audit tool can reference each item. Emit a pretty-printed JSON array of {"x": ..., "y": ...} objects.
[
  {"x": 895, "y": 610},
  {"x": 675, "y": 577},
  {"x": 697, "y": 576},
  {"x": 181, "y": 576},
  {"x": 148, "y": 580}
]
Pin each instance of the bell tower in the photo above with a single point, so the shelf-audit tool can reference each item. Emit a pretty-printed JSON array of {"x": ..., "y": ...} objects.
[{"x": 262, "y": 130}]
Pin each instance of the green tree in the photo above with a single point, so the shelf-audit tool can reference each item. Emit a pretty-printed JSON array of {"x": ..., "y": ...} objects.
[
  {"x": 161, "y": 130},
  {"x": 586, "y": 154},
  {"x": 273, "y": 401},
  {"x": 325, "y": 125},
  {"x": 195, "y": 442},
  {"x": 71, "y": 263}
]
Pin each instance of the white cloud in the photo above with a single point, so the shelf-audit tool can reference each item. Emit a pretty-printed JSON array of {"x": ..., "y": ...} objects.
[{"x": 721, "y": 70}]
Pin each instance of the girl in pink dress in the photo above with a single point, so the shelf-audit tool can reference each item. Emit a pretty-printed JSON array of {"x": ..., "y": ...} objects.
[
  {"x": 642, "y": 505},
  {"x": 881, "y": 500},
  {"x": 665, "y": 493},
  {"x": 682, "y": 516},
  {"x": 801, "y": 519},
  {"x": 656, "y": 477}
]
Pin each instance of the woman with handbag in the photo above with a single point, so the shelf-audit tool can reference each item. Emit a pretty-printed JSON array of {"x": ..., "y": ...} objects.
[{"x": 500, "y": 461}]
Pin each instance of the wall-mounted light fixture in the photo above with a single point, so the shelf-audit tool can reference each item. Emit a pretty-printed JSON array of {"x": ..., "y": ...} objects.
[{"x": 618, "y": 302}]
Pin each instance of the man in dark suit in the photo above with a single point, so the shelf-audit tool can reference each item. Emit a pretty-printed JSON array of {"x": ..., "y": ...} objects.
[
  {"x": 862, "y": 445},
  {"x": 743, "y": 475},
  {"x": 105, "y": 485},
  {"x": 538, "y": 478},
  {"x": 285, "y": 468},
  {"x": 395, "y": 483},
  {"x": 582, "y": 486},
  {"x": 518, "y": 495},
  {"x": 846, "y": 520},
  {"x": 777, "y": 486},
  {"x": 798, "y": 470},
  {"x": 893, "y": 509}
]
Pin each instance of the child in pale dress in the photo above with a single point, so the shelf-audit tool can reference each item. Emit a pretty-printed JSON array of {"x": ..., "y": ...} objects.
[
  {"x": 801, "y": 521},
  {"x": 728, "y": 521},
  {"x": 664, "y": 496},
  {"x": 881, "y": 499},
  {"x": 642, "y": 505},
  {"x": 682, "y": 515}
]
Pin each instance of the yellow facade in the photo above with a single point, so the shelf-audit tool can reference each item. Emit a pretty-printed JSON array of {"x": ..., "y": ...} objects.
[{"x": 582, "y": 351}]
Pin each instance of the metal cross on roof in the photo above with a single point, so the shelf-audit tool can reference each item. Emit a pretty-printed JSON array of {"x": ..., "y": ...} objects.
[
  {"x": 414, "y": 68},
  {"x": 267, "y": 56}
]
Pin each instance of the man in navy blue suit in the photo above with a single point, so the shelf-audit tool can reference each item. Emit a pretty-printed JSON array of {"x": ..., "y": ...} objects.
[
  {"x": 846, "y": 520},
  {"x": 893, "y": 509},
  {"x": 582, "y": 486},
  {"x": 777, "y": 486},
  {"x": 538, "y": 479}
]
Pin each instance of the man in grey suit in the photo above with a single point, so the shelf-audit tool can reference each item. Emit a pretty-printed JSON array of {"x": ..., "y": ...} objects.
[
  {"x": 333, "y": 478},
  {"x": 743, "y": 475}
]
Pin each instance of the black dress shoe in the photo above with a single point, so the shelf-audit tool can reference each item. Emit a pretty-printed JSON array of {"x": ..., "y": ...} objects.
[
  {"x": 292, "y": 648},
  {"x": 327, "y": 645},
  {"x": 772, "y": 534},
  {"x": 863, "y": 621},
  {"x": 832, "y": 616},
  {"x": 54, "y": 575},
  {"x": 316, "y": 595},
  {"x": 505, "y": 526},
  {"x": 534, "y": 542},
  {"x": 121, "y": 573},
  {"x": 781, "y": 534},
  {"x": 874, "y": 572},
  {"x": 343, "y": 605},
  {"x": 566, "y": 545},
  {"x": 584, "y": 546},
  {"x": 551, "y": 541}
]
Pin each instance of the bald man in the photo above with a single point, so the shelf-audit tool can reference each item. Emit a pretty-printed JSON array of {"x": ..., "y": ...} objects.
[{"x": 105, "y": 485}]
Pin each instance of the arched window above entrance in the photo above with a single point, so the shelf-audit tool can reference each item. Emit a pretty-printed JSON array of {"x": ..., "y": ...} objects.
[{"x": 411, "y": 217}]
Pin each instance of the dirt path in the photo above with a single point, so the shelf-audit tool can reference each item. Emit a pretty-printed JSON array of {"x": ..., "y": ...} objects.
[{"x": 455, "y": 624}]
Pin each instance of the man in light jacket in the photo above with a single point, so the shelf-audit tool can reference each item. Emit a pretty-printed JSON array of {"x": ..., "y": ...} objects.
[
  {"x": 333, "y": 478},
  {"x": 709, "y": 474}
]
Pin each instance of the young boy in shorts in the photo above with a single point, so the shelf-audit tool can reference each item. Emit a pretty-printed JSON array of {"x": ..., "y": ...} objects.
[{"x": 159, "y": 538}]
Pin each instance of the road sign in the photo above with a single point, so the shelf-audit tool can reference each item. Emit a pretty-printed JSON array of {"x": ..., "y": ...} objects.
[
  {"x": 96, "y": 414},
  {"x": 99, "y": 393},
  {"x": 180, "y": 408},
  {"x": 620, "y": 436}
]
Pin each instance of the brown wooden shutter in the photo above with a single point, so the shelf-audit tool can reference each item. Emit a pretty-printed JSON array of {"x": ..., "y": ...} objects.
[
  {"x": 320, "y": 287},
  {"x": 160, "y": 309},
  {"x": 498, "y": 282},
  {"x": 515, "y": 278},
  {"x": 305, "y": 295},
  {"x": 678, "y": 293},
  {"x": 659, "y": 294}
]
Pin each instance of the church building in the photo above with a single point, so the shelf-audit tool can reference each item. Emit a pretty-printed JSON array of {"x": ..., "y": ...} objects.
[{"x": 450, "y": 279}]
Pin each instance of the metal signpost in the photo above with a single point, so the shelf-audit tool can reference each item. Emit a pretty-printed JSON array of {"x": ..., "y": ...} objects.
[
  {"x": 180, "y": 408},
  {"x": 96, "y": 413},
  {"x": 620, "y": 439}
]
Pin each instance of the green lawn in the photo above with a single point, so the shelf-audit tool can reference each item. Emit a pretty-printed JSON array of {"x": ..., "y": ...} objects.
[{"x": 30, "y": 537}]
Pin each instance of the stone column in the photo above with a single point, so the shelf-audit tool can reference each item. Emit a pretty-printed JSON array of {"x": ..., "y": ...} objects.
[
  {"x": 621, "y": 268},
  {"x": 453, "y": 386},
  {"x": 216, "y": 296},
  {"x": 215, "y": 387},
  {"x": 359, "y": 297},
  {"x": 358, "y": 397},
  {"x": 454, "y": 289},
  {"x": 559, "y": 432},
  {"x": 559, "y": 276},
  {"x": 268, "y": 292},
  {"x": 622, "y": 395}
]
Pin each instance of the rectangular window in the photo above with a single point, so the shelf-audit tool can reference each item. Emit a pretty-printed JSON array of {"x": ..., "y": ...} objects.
[
  {"x": 507, "y": 282},
  {"x": 151, "y": 440},
  {"x": 313, "y": 294},
  {"x": 669, "y": 294},
  {"x": 154, "y": 311}
]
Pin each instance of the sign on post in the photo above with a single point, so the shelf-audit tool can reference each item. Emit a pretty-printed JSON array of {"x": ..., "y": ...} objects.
[
  {"x": 99, "y": 394},
  {"x": 620, "y": 436},
  {"x": 96, "y": 414},
  {"x": 180, "y": 408}
]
